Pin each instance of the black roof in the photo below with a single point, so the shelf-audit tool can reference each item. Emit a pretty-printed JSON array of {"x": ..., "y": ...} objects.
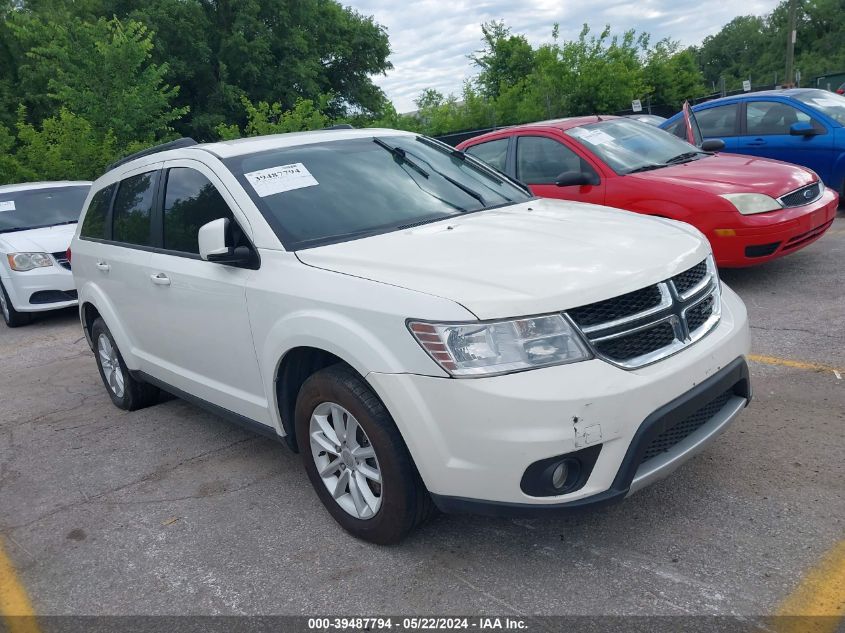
[{"x": 155, "y": 149}]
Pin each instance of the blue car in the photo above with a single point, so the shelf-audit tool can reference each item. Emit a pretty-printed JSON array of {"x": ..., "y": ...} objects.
[{"x": 801, "y": 125}]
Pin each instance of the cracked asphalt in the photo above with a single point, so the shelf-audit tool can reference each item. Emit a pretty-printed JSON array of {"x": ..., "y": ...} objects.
[{"x": 170, "y": 510}]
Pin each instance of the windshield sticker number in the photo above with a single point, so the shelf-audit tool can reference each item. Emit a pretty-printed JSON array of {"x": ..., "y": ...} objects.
[
  {"x": 7, "y": 205},
  {"x": 596, "y": 137},
  {"x": 268, "y": 182}
]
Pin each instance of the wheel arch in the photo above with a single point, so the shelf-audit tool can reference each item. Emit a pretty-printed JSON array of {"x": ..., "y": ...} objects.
[{"x": 293, "y": 369}]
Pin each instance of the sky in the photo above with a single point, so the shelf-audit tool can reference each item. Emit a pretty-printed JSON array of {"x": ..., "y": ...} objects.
[{"x": 431, "y": 39}]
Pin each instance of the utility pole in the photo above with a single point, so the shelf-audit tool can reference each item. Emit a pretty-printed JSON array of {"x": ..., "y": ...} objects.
[{"x": 790, "y": 44}]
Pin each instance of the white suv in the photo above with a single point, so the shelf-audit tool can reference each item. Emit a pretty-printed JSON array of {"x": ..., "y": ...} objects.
[
  {"x": 37, "y": 221},
  {"x": 423, "y": 330}
]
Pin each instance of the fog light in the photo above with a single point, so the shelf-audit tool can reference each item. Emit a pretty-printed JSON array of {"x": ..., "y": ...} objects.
[{"x": 559, "y": 475}]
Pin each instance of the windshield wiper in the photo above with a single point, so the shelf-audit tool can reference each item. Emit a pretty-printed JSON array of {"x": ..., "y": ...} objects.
[
  {"x": 461, "y": 156},
  {"x": 682, "y": 158},
  {"x": 648, "y": 167},
  {"x": 400, "y": 154}
]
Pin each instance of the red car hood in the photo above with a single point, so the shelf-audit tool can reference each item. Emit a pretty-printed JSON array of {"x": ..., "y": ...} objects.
[{"x": 733, "y": 173}]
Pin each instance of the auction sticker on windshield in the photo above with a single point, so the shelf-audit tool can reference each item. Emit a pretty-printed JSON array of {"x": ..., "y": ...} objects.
[
  {"x": 7, "y": 205},
  {"x": 267, "y": 182},
  {"x": 594, "y": 137}
]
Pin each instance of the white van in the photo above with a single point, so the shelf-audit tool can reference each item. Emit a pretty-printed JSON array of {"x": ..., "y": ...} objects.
[{"x": 37, "y": 221}]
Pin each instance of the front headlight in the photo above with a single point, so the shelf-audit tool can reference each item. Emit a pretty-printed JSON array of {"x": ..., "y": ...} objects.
[
  {"x": 22, "y": 262},
  {"x": 751, "y": 203},
  {"x": 485, "y": 349}
]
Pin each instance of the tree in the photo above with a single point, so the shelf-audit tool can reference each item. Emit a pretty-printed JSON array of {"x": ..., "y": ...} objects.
[
  {"x": 66, "y": 147},
  {"x": 271, "y": 118},
  {"x": 101, "y": 71},
  {"x": 504, "y": 60},
  {"x": 672, "y": 74}
]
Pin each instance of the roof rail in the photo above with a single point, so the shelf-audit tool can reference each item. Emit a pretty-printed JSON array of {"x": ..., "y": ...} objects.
[
  {"x": 155, "y": 149},
  {"x": 340, "y": 126}
]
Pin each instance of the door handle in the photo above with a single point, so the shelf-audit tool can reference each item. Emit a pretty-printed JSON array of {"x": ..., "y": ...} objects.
[
  {"x": 160, "y": 279},
  {"x": 757, "y": 141},
  {"x": 103, "y": 266}
]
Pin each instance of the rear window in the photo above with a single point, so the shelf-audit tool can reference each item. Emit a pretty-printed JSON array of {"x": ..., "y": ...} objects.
[
  {"x": 36, "y": 208},
  {"x": 94, "y": 224},
  {"x": 132, "y": 211}
]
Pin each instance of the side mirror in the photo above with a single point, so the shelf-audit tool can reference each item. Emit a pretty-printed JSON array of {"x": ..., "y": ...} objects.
[
  {"x": 713, "y": 145},
  {"x": 802, "y": 128},
  {"x": 572, "y": 178},
  {"x": 216, "y": 244}
]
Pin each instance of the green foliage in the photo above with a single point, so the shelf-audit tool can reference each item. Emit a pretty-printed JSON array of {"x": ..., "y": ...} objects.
[
  {"x": 67, "y": 147},
  {"x": 272, "y": 118},
  {"x": 752, "y": 47},
  {"x": 101, "y": 70},
  {"x": 504, "y": 60}
]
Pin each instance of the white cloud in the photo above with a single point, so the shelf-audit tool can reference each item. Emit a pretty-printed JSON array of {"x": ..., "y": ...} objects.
[{"x": 431, "y": 39}]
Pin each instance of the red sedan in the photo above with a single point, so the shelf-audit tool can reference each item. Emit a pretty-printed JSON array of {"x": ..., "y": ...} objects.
[{"x": 751, "y": 209}]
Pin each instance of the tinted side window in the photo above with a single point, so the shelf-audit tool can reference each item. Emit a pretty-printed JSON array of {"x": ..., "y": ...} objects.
[
  {"x": 678, "y": 128},
  {"x": 94, "y": 225},
  {"x": 540, "y": 160},
  {"x": 718, "y": 121},
  {"x": 494, "y": 153},
  {"x": 133, "y": 207},
  {"x": 189, "y": 202},
  {"x": 771, "y": 117}
]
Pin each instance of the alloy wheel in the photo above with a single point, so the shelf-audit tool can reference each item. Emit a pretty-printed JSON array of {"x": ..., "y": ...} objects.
[
  {"x": 3, "y": 305},
  {"x": 345, "y": 460},
  {"x": 111, "y": 365}
]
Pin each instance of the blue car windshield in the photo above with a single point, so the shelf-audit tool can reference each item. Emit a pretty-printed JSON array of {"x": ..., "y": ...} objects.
[{"x": 828, "y": 103}]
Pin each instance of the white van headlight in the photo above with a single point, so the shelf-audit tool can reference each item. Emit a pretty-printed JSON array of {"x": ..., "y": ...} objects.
[
  {"x": 751, "y": 203},
  {"x": 22, "y": 262},
  {"x": 499, "y": 347}
]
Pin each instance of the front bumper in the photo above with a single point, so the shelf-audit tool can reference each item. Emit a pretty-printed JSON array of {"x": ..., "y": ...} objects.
[
  {"x": 40, "y": 289},
  {"x": 760, "y": 239},
  {"x": 473, "y": 439}
]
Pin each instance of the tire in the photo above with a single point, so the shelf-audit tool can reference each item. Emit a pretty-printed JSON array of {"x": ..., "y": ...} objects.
[
  {"x": 12, "y": 317},
  {"x": 401, "y": 500},
  {"x": 125, "y": 391}
]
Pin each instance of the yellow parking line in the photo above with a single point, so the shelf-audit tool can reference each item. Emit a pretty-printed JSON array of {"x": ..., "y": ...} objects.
[
  {"x": 15, "y": 607},
  {"x": 819, "y": 598},
  {"x": 797, "y": 364}
]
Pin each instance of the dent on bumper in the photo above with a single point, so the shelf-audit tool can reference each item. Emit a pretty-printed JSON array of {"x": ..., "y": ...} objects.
[{"x": 473, "y": 439}]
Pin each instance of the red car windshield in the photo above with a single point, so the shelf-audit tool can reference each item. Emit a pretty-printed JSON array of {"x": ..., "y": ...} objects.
[{"x": 629, "y": 146}]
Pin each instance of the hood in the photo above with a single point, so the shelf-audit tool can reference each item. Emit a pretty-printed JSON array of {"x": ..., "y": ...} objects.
[
  {"x": 530, "y": 258},
  {"x": 733, "y": 173},
  {"x": 50, "y": 239}
]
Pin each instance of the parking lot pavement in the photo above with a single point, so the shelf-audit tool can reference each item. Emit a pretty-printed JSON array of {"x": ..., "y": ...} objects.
[{"x": 171, "y": 510}]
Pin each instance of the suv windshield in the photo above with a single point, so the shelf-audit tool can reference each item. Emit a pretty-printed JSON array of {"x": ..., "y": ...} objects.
[
  {"x": 36, "y": 208},
  {"x": 630, "y": 146},
  {"x": 336, "y": 191},
  {"x": 829, "y": 103}
]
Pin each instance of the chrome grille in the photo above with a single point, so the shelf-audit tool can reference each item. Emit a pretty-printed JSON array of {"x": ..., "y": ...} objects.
[
  {"x": 617, "y": 308},
  {"x": 689, "y": 279},
  {"x": 804, "y": 195},
  {"x": 644, "y": 326}
]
